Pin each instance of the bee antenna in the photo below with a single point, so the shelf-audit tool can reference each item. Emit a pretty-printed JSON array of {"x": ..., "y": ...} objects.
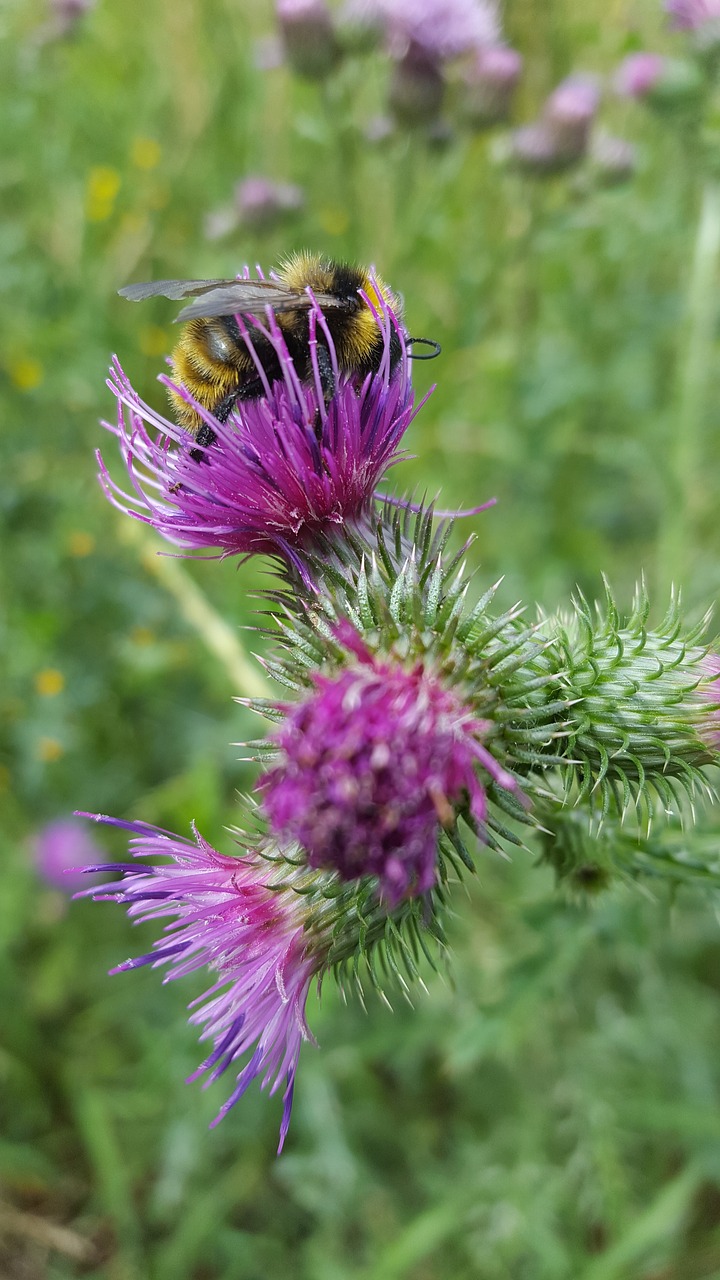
[{"x": 423, "y": 342}]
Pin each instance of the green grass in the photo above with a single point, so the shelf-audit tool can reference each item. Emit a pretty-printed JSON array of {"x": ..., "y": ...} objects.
[{"x": 551, "y": 1112}]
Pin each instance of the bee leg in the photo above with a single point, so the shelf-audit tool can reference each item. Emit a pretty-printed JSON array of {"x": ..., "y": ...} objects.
[
  {"x": 326, "y": 371},
  {"x": 206, "y": 437},
  {"x": 327, "y": 382}
]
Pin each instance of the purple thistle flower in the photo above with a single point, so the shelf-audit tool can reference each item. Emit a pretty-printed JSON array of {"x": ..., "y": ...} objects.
[
  {"x": 692, "y": 15},
  {"x": 569, "y": 113},
  {"x": 442, "y": 28},
  {"x": 638, "y": 74},
  {"x": 257, "y": 202},
  {"x": 230, "y": 915},
  {"x": 489, "y": 82},
  {"x": 374, "y": 762},
  {"x": 283, "y": 467},
  {"x": 61, "y": 849},
  {"x": 560, "y": 138},
  {"x": 532, "y": 148}
]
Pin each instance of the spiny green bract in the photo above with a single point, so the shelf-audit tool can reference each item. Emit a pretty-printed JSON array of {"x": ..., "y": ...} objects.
[{"x": 632, "y": 731}]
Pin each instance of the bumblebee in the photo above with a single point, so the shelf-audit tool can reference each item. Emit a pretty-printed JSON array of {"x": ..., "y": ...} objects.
[{"x": 213, "y": 361}]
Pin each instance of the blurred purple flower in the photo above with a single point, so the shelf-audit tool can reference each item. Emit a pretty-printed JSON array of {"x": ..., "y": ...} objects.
[
  {"x": 282, "y": 468},
  {"x": 258, "y": 202},
  {"x": 560, "y": 137},
  {"x": 66, "y": 14},
  {"x": 442, "y": 28},
  {"x": 61, "y": 849},
  {"x": 308, "y": 36},
  {"x": 569, "y": 114},
  {"x": 489, "y": 82},
  {"x": 691, "y": 15},
  {"x": 225, "y": 915},
  {"x": 533, "y": 150},
  {"x": 638, "y": 74},
  {"x": 374, "y": 762}
]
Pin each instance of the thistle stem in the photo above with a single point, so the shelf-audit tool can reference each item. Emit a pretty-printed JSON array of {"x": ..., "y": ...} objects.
[
  {"x": 217, "y": 636},
  {"x": 678, "y": 535}
]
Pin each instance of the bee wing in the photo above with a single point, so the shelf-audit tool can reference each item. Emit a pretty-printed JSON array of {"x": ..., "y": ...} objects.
[
  {"x": 173, "y": 289},
  {"x": 251, "y": 297}
]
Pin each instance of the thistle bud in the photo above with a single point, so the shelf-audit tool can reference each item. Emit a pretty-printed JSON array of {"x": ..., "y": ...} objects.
[
  {"x": 361, "y": 26},
  {"x": 308, "y": 37},
  {"x": 532, "y": 149},
  {"x": 569, "y": 114},
  {"x": 489, "y": 82},
  {"x": 666, "y": 84},
  {"x": 641, "y": 705},
  {"x": 260, "y": 201},
  {"x": 416, "y": 87},
  {"x": 638, "y": 74}
]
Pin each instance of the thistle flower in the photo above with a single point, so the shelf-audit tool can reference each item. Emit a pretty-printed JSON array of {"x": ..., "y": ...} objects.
[
  {"x": 59, "y": 849},
  {"x": 568, "y": 115},
  {"x": 489, "y": 82},
  {"x": 416, "y": 87},
  {"x": 442, "y": 28},
  {"x": 533, "y": 150},
  {"x": 283, "y": 467},
  {"x": 229, "y": 915},
  {"x": 692, "y": 15},
  {"x": 66, "y": 14},
  {"x": 308, "y": 36},
  {"x": 374, "y": 763},
  {"x": 638, "y": 74},
  {"x": 258, "y": 202},
  {"x": 560, "y": 138},
  {"x": 665, "y": 84}
]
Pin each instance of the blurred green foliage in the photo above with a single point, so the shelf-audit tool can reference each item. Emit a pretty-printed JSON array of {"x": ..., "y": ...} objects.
[{"x": 552, "y": 1112}]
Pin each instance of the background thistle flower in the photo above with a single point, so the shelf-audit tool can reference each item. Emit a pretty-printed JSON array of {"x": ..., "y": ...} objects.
[
  {"x": 692, "y": 15},
  {"x": 442, "y": 28},
  {"x": 374, "y": 764},
  {"x": 308, "y": 37},
  {"x": 639, "y": 73}
]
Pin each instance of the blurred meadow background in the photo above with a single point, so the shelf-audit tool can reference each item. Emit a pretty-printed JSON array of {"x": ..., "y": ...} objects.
[{"x": 548, "y": 1111}]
